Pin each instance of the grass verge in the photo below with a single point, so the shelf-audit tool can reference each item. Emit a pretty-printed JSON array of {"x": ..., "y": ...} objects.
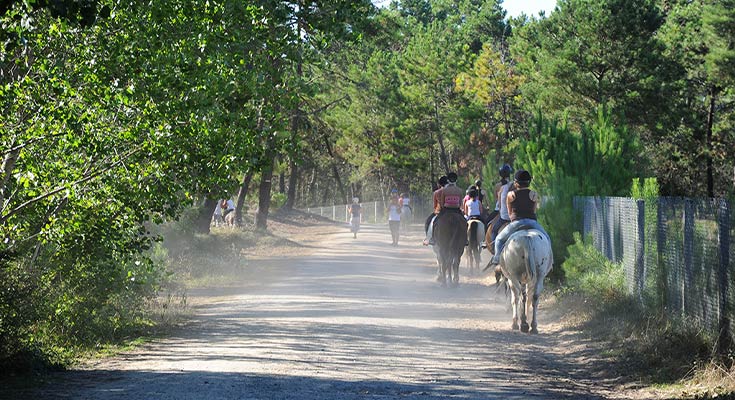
[{"x": 658, "y": 354}]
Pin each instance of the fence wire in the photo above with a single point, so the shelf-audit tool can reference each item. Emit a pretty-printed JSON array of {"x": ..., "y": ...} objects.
[
  {"x": 677, "y": 253},
  {"x": 373, "y": 212}
]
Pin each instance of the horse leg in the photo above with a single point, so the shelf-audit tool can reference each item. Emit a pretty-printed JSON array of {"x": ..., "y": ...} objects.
[
  {"x": 536, "y": 293},
  {"x": 479, "y": 260},
  {"x": 443, "y": 273},
  {"x": 455, "y": 278},
  {"x": 523, "y": 305},
  {"x": 514, "y": 297}
]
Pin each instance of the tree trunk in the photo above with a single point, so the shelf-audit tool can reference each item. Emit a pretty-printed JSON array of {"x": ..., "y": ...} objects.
[
  {"x": 264, "y": 197},
  {"x": 440, "y": 139},
  {"x": 282, "y": 182},
  {"x": 204, "y": 218},
  {"x": 335, "y": 171},
  {"x": 293, "y": 180},
  {"x": 312, "y": 186},
  {"x": 6, "y": 170},
  {"x": 241, "y": 196}
]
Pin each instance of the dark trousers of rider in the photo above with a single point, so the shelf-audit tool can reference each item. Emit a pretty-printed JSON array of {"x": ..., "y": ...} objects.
[{"x": 394, "y": 229}]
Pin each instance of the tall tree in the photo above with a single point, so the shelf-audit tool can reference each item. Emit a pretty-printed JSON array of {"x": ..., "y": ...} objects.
[
  {"x": 699, "y": 37},
  {"x": 588, "y": 53}
]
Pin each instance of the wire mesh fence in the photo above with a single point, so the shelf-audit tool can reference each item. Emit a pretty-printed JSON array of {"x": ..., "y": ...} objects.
[
  {"x": 373, "y": 212},
  {"x": 677, "y": 254}
]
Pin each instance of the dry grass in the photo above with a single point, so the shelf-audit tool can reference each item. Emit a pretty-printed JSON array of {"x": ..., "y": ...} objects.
[
  {"x": 226, "y": 256},
  {"x": 669, "y": 359}
]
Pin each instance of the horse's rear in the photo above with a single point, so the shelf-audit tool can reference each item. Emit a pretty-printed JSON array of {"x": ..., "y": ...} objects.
[
  {"x": 406, "y": 218},
  {"x": 451, "y": 235},
  {"x": 525, "y": 262},
  {"x": 475, "y": 233}
]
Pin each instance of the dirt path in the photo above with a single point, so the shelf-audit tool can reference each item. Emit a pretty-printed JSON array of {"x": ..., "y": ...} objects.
[{"x": 355, "y": 319}]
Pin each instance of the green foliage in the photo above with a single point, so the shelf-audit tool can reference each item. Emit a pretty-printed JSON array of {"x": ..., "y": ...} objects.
[
  {"x": 112, "y": 126},
  {"x": 558, "y": 217},
  {"x": 278, "y": 199},
  {"x": 648, "y": 189},
  {"x": 601, "y": 157},
  {"x": 697, "y": 142},
  {"x": 599, "y": 160},
  {"x": 590, "y": 273},
  {"x": 589, "y": 53}
]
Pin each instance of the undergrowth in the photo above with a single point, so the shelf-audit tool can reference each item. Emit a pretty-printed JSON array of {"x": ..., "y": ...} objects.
[{"x": 672, "y": 355}]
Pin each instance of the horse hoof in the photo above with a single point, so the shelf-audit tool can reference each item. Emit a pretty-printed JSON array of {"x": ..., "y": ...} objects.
[
  {"x": 514, "y": 327},
  {"x": 524, "y": 328},
  {"x": 534, "y": 331}
]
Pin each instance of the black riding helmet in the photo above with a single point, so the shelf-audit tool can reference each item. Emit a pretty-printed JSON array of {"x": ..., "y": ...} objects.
[
  {"x": 523, "y": 177},
  {"x": 452, "y": 177},
  {"x": 505, "y": 171}
]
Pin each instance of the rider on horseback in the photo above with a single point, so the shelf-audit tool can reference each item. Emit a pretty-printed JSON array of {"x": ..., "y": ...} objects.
[
  {"x": 501, "y": 193},
  {"x": 450, "y": 197},
  {"x": 522, "y": 203},
  {"x": 473, "y": 211},
  {"x": 428, "y": 226},
  {"x": 446, "y": 199}
]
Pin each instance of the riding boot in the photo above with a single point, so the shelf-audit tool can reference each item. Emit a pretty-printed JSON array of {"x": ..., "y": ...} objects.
[{"x": 495, "y": 260}]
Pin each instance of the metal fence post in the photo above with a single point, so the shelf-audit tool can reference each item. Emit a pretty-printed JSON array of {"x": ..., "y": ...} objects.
[
  {"x": 607, "y": 227},
  {"x": 688, "y": 253},
  {"x": 640, "y": 248},
  {"x": 723, "y": 226},
  {"x": 662, "y": 283},
  {"x": 376, "y": 213}
]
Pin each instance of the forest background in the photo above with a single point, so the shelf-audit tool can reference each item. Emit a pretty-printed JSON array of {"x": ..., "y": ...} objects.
[{"x": 120, "y": 116}]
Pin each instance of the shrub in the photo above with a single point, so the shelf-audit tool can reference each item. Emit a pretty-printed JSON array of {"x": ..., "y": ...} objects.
[{"x": 590, "y": 273}]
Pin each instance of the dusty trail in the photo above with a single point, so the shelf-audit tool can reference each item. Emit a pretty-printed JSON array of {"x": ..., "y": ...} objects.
[{"x": 355, "y": 319}]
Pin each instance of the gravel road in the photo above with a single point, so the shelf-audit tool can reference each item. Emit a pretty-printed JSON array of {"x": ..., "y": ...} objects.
[{"x": 355, "y": 319}]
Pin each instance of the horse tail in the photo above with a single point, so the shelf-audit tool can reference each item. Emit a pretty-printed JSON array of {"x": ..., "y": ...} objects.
[
  {"x": 472, "y": 229},
  {"x": 531, "y": 261}
]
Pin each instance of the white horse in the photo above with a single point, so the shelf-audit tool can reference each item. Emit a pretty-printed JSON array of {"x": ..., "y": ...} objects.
[
  {"x": 525, "y": 261},
  {"x": 406, "y": 217}
]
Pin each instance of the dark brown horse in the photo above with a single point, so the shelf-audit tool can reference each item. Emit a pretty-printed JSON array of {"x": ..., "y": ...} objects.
[
  {"x": 490, "y": 240},
  {"x": 451, "y": 236}
]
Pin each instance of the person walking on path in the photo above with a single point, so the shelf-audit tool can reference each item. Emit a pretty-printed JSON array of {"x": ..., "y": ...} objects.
[
  {"x": 394, "y": 218},
  {"x": 355, "y": 210}
]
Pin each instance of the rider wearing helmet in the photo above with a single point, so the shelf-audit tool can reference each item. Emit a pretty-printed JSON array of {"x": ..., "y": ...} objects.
[
  {"x": 428, "y": 226},
  {"x": 501, "y": 193},
  {"x": 450, "y": 197},
  {"x": 473, "y": 211},
  {"x": 480, "y": 191},
  {"x": 522, "y": 203}
]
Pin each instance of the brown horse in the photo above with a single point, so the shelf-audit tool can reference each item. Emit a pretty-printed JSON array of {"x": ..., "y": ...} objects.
[
  {"x": 451, "y": 236},
  {"x": 475, "y": 231},
  {"x": 490, "y": 240}
]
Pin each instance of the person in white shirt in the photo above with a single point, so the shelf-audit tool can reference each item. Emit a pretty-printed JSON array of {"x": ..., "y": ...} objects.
[{"x": 394, "y": 218}]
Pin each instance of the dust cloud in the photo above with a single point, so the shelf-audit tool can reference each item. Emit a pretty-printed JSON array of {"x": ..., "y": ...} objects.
[{"x": 324, "y": 316}]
